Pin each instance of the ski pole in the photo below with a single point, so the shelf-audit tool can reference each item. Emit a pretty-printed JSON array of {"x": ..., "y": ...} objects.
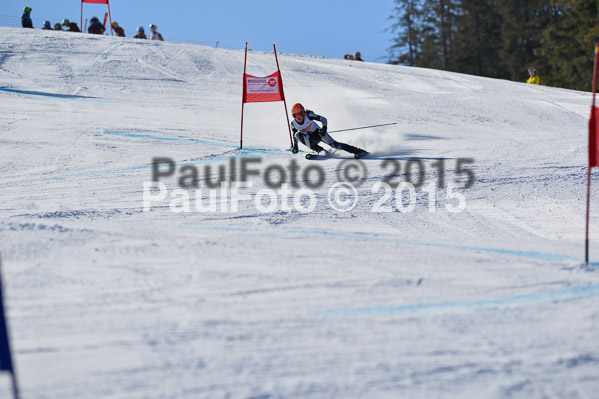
[{"x": 363, "y": 127}]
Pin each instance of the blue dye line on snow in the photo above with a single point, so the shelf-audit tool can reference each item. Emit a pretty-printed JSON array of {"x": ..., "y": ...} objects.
[
  {"x": 567, "y": 294},
  {"x": 367, "y": 237},
  {"x": 248, "y": 151},
  {"x": 71, "y": 97},
  {"x": 244, "y": 152},
  {"x": 182, "y": 140},
  {"x": 103, "y": 172}
]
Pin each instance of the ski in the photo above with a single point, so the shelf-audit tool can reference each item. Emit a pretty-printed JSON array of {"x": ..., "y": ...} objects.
[
  {"x": 361, "y": 154},
  {"x": 321, "y": 154}
]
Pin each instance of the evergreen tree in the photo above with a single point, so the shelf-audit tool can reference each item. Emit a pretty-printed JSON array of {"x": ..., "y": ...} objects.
[
  {"x": 408, "y": 26},
  {"x": 500, "y": 38},
  {"x": 438, "y": 33},
  {"x": 478, "y": 39},
  {"x": 519, "y": 39},
  {"x": 567, "y": 44},
  {"x": 425, "y": 32}
]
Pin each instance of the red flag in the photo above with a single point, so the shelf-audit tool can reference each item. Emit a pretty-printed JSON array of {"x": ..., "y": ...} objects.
[
  {"x": 95, "y": 1},
  {"x": 593, "y": 138},
  {"x": 593, "y": 149},
  {"x": 257, "y": 89}
]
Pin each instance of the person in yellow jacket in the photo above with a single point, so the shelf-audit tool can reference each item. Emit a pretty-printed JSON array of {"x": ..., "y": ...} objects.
[{"x": 534, "y": 78}]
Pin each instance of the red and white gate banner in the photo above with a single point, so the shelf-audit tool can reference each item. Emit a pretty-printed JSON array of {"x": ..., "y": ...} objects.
[{"x": 262, "y": 89}]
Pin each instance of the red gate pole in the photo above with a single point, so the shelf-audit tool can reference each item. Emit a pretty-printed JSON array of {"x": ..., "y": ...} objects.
[
  {"x": 110, "y": 18},
  {"x": 284, "y": 101},
  {"x": 586, "y": 251},
  {"x": 243, "y": 95},
  {"x": 586, "y": 242}
]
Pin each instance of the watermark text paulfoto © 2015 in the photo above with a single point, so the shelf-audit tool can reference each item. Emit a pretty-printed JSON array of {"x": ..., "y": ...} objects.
[{"x": 292, "y": 188}]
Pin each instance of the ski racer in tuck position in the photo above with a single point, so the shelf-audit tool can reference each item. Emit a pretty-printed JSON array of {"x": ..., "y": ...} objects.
[{"x": 309, "y": 133}]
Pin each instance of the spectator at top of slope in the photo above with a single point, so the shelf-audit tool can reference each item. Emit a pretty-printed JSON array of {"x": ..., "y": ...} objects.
[
  {"x": 47, "y": 25},
  {"x": 96, "y": 27},
  {"x": 57, "y": 26},
  {"x": 534, "y": 78},
  {"x": 26, "y": 20},
  {"x": 358, "y": 56},
  {"x": 72, "y": 26},
  {"x": 118, "y": 30},
  {"x": 155, "y": 35},
  {"x": 140, "y": 33}
]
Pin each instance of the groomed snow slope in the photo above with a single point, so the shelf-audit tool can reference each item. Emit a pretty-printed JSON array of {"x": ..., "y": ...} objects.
[{"x": 108, "y": 301}]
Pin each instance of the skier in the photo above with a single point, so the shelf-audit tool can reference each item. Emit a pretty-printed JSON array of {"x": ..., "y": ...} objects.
[
  {"x": 96, "y": 27},
  {"x": 71, "y": 25},
  {"x": 47, "y": 26},
  {"x": 155, "y": 35},
  {"x": 26, "y": 20},
  {"x": 358, "y": 56},
  {"x": 534, "y": 78},
  {"x": 310, "y": 134},
  {"x": 118, "y": 30},
  {"x": 57, "y": 26},
  {"x": 140, "y": 33}
]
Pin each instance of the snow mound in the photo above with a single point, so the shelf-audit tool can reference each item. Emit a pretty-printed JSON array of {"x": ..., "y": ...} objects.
[{"x": 106, "y": 300}]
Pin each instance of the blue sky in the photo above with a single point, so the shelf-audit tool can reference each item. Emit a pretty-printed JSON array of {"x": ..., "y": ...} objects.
[{"x": 329, "y": 28}]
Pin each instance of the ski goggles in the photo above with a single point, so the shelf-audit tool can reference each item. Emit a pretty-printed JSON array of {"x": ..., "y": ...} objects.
[{"x": 296, "y": 112}]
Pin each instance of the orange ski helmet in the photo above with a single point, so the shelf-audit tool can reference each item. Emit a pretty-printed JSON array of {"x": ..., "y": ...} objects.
[{"x": 297, "y": 109}]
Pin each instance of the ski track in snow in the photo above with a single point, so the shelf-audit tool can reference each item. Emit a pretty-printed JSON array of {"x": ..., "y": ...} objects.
[
  {"x": 534, "y": 255},
  {"x": 106, "y": 300}
]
